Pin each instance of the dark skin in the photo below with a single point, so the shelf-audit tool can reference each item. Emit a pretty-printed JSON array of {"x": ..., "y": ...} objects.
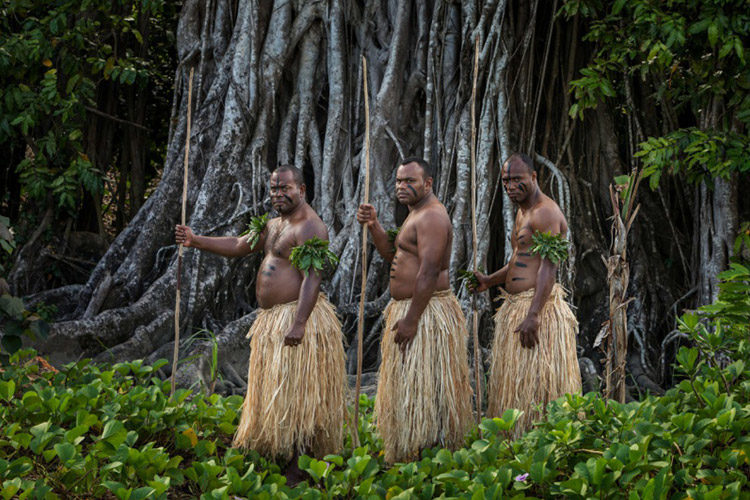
[
  {"x": 278, "y": 281},
  {"x": 419, "y": 265},
  {"x": 524, "y": 271}
]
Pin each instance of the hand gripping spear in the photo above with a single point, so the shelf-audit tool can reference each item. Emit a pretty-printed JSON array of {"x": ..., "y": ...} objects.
[
  {"x": 179, "y": 251},
  {"x": 474, "y": 312},
  {"x": 361, "y": 321}
]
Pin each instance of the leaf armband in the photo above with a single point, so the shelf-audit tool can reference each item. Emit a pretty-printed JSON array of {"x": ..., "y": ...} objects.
[
  {"x": 553, "y": 247},
  {"x": 255, "y": 229},
  {"x": 392, "y": 233},
  {"x": 313, "y": 254}
]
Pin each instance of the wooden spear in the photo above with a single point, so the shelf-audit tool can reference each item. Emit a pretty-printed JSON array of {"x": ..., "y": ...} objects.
[
  {"x": 179, "y": 251},
  {"x": 474, "y": 312},
  {"x": 361, "y": 322}
]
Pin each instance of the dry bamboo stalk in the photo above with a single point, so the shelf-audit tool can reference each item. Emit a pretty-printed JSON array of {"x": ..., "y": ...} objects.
[
  {"x": 474, "y": 312},
  {"x": 618, "y": 275},
  {"x": 176, "y": 353},
  {"x": 361, "y": 320}
]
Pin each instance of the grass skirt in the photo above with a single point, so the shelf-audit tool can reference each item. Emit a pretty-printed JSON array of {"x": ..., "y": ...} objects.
[
  {"x": 528, "y": 379},
  {"x": 424, "y": 396},
  {"x": 295, "y": 395}
]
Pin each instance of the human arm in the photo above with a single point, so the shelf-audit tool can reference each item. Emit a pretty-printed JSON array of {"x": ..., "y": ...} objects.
[
  {"x": 545, "y": 280},
  {"x": 228, "y": 246},
  {"x": 366, "y": 214},
  {"x": 432, "y": 242},
  {"x": 309, "y": 289},
  {"x": 488, "y": 280}
]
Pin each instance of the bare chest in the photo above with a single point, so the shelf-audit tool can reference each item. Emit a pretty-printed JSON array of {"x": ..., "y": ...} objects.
[
  {"x": 407, "y": 237},
  {"x": 280, "y": 240},
  {"x": 522, "y": 232}
]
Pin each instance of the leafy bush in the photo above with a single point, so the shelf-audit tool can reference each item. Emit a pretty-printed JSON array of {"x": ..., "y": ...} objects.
[
  {"x": 16, "y": 321},
  {"x": 113, "y": 431},
  {"x": 56, "y": 60}
]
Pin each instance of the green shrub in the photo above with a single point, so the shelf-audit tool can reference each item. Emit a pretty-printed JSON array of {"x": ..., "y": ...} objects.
[{"x": 93, "y": 431}]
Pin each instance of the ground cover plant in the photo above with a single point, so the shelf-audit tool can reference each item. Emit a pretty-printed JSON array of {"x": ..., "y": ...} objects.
[{"x": 112, "y": 431}]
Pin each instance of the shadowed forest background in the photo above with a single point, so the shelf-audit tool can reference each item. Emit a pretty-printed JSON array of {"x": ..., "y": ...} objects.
[{"x": 92, "y": 133}]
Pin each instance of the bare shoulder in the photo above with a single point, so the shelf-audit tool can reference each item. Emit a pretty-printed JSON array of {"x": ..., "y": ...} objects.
[
  {"x": 434, "y": 217},
  {"x": 312, "y": 226},
  {"x": 547, "y": 216}
]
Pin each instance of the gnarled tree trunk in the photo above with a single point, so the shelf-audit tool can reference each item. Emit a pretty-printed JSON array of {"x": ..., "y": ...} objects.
[{"x": 279, "y": 81}]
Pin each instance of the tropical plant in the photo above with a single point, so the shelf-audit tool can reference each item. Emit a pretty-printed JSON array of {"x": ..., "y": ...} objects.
[
  {"x": 468, "y": 279},
  {"x": 58, "y": 61},
  {"x": 255, "y": 229},
  {"x": 313, "y": 254},
  {"x": 16, "y": 322},
  {"x": 7, "y": 242},
  {"x": 553, "y": 247}
]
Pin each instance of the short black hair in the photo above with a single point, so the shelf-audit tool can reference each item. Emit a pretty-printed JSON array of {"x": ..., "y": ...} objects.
[
  {"x": 299, "y": 179},
  {"x": 525, "y": 159},
  {"x": 426, "y": 167}
]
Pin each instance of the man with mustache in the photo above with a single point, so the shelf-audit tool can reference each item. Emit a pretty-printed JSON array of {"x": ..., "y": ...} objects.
[
  {"x": 424, "y": 396},
  {"x": 534, "y": 351},
  {"x": 296, "y": 375}
]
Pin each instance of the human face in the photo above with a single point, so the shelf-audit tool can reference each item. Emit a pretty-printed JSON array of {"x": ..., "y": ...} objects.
[
  {"x": 518, "y": 182},
  {"x": 411, "y": 186},
  {"x": 286, "y": 195}
]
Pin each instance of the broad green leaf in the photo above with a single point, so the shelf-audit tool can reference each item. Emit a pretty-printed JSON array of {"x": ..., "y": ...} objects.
[
  {"x": 7, "y": 389},
  {"x": 12, "y": 307},
  {"x": 65, "y": 451}
]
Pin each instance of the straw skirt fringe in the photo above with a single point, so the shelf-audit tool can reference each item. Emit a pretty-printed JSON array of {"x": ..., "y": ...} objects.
[
  {"x": 424, "y": 395},
  {"x": 528, "y": 379},
  {"x": 295, "y": 395}
]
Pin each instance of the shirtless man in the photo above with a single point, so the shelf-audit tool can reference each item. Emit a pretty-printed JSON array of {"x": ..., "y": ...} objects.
[
  {"x": 296, "y": 327},
  {"x": 423, "y": 322},
  {"x": 534, "y": 352}
]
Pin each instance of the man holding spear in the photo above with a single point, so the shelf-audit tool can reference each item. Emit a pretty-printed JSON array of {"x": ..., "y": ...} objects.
[
  {"x": 296, "y": 375},
  {"x": 424, "y": 395},
  {"x": 534, "y": 352}
]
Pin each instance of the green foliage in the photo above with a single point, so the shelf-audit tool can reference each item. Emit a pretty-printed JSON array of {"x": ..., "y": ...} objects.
[
  {"x": 392, "y": 233},
  {"x": 699, "y": 155},
  {"x": 112, "y": 431},
  {"x": 468, "y": 279},
  {"x": 553, "y": 247},
  {"x": 627, "y": 187},
  {"x": 315, "y": 254},
  {"x": 690, "y": 58},
  {"x": 7, "y": 242},
  {"x": 16, "y": 322},
  {"x": 743, "y": 239},
  {"x": 55, "y": 56},
  {"x": 255, "y": 229},
  {"x": 731, "y": 311}
]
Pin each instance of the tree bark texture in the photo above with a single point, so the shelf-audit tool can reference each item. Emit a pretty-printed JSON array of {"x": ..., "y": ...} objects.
[{"x": 280, "y": 81}]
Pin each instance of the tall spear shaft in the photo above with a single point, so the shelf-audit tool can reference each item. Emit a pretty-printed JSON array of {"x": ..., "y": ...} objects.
[
  {"x": 361, "y": 321},
  {"x": 176, "y": 353},
  {"x": 474, "y": 312}
]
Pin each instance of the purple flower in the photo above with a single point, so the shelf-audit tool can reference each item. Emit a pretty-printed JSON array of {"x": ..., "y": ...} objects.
[{"x": 522, "y": 477}]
